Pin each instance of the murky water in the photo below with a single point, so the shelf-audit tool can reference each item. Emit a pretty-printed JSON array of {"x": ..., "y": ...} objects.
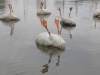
[{"x": 19, "y": 55}]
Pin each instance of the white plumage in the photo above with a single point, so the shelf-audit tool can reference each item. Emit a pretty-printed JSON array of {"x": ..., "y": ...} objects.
[
  {"x": 43, "y": 11},
  {"x": 9, "y": 16},
  {"x": 50, "y": 39},
  {"x": 67, "y": 21},
  {"x": 96, "y": 13}
]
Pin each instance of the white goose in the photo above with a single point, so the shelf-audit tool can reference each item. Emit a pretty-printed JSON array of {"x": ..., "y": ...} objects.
[
  {"x": 43, "y": 11},
  {"x": 96, "y": 13},
  {"x": 50, "y": 39},
  {"x": 67, "y": 21},
  {"x": 9, "y": 16}
]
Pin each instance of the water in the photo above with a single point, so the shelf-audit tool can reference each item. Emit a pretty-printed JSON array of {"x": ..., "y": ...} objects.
[{"x": 19, "y": 55}]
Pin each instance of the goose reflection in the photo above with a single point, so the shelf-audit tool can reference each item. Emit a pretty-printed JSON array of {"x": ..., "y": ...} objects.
[
  {"x": 68, "y": 28},
  {"x": 51, "y": 52},
  {"x": 96, "y": 20},
  {"x": 41, "y": 17},
  {"x": 10, "y": 24}
]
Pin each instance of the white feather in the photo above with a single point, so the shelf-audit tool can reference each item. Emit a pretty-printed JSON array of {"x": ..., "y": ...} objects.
[
  {"x": 43, "y": 12},
  {"x": 68, "y": 21},
  {"x": 9, "y": 17},
  {"x": 50, "y": 40},
  {"x": 96, "y": 13}
]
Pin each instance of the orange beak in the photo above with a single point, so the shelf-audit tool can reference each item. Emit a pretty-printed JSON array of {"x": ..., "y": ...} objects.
[{"x": 44, "y": 23}]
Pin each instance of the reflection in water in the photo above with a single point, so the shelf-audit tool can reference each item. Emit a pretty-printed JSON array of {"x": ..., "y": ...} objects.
[
  {"x": 45, "y": 17},
  {"x": 60, "y": 3},
  {"x": 44, "y": 4},
  {"x": 2, "y": 6},
  {"x": 10, "y": 24},
  {"x": 25, "y": 8},
  {"x": 51, "y": 51},
  {"x": 77, "y": 4},
  {"x": 68, "y": 28},
  {"x": 96, "y": 20}
]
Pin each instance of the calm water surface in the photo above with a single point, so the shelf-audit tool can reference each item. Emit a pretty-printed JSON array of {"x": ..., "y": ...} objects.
[{"x": 19, "y": 55}]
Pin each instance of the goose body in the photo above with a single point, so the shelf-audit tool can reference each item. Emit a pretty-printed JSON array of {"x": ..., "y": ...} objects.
[
  {"x": 67, "y": 21},
  {"x": 43, "y": 12},
  {"x": 9, "y": 16},
  {"x": 50, "y": 40},
  {"x": 96, "y": 13}
]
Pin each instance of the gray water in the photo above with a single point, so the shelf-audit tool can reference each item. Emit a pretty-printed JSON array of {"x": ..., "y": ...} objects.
[{"x": 19, "y": 54}]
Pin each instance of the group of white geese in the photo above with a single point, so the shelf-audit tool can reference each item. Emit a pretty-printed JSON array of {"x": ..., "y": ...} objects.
[{"x": 48, "y": 38}]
